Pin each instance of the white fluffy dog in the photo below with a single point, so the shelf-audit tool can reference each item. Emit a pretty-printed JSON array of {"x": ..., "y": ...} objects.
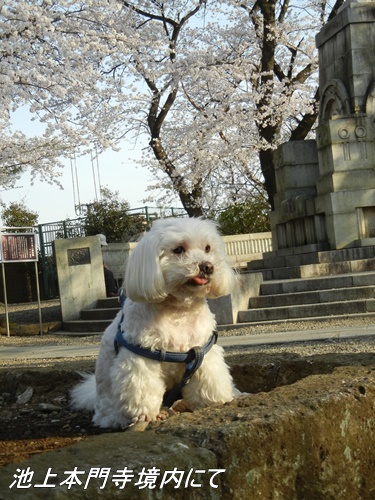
[{"x": 172, "y": 270}]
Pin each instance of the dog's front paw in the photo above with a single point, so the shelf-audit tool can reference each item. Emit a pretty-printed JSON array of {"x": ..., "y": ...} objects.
[
  {"x": 143, "y": 418},
  {"x": 163, "y": 414},
  {"x": 140, "y": 423},
  {"x": 180, "y": 406}
]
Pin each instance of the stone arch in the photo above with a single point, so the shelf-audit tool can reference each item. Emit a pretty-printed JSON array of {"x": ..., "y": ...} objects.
[{"x": 334, "y": 100}]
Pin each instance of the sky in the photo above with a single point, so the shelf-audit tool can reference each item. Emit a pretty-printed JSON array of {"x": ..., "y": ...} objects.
[{"x": 117, "y": 170}]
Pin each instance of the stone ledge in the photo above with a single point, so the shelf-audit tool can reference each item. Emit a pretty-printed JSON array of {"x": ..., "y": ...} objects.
[{"x": 311, "y": 439}]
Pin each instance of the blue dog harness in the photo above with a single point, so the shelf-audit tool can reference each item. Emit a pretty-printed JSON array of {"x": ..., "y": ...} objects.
[{"x": 192, "y": 358}]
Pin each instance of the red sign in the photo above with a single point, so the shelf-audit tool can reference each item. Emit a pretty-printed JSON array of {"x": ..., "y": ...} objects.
[{"x": 19, "y": 247}]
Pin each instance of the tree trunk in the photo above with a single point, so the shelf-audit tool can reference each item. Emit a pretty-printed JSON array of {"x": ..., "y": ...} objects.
[
  {"x": 191, "y": 199},
  {"x": 268, "y": 170}
]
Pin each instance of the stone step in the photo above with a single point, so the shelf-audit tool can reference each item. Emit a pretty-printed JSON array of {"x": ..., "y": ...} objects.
[
  {"x": 93, "y": 326},
  {"x": 327, "y": 309},
  {"x": 349, "y": 280},
  {"x": 108, "y": 302},
  {"x": 94, "y": 320},
  {"x": 287, "y": 258},
  {"x": 102, "y": 313},
  {"x": 318, "y": 270},
  {"x": 313, "y": 319},
  {"x": 312, "y": 297}
]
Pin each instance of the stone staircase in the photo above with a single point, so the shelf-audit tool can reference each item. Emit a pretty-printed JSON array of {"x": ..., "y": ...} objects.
[
  {"x": 313, "y": 286},
  {"x": 96, "y": 320}
]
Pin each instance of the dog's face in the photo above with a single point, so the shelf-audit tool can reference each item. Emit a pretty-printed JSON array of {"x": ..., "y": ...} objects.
[{"x": 183, "y": 258}]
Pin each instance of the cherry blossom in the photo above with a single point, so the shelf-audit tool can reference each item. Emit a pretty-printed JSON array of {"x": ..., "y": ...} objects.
[{"x": 215, "y": 85}]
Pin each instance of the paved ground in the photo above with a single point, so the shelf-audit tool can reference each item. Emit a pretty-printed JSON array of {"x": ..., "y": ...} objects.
[{"x": 275, "y": 338}]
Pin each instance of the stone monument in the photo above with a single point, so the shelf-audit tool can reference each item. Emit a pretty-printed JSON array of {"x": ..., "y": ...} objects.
[
  {"x": 80, "y": 274},
  {"x": 326, "y": 188}
]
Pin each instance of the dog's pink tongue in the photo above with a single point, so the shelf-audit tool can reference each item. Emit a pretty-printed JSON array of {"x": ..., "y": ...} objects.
[{"x": 199, "y": 281}]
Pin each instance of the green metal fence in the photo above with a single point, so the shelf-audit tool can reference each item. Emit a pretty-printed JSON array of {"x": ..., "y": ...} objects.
[{"x": 47, "y": 234}]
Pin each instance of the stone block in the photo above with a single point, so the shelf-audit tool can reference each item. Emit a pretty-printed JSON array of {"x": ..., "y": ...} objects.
[
  {"x": 351, "y": 12},
  {"x": 296, "y": 166},
  {"x": 258, "y": 315},
  {"x": 342, "y": 230},
  {"x": 361, "y": 58},
  {"x": 345, "y": 202},
  {"x": 296, "y": 153},
  {"x": 370, "y": 305},
  {"x": 366, "y": 242},
  {"x": 346, "y": 181},
  {"x": 361, "y": 37},
  {"x": 226, "y": 308},
  {"x": 325, "y": 269},
  {"x": 361, "y": 266},
  {"x": 338, "y": 68},
  {"x": 364, "y": 279},
  {"x": 286, "y": 273},
  {"x": 80, "y": 274}
]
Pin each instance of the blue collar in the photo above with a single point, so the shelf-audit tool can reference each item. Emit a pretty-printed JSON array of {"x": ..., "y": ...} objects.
[{"x": 192, "y": 358}]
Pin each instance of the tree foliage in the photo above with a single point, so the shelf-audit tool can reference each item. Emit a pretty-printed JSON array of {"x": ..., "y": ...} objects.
[
  {"x": 18, "y": 215},
  {"x": 215, "y": 85},
  {"x": 251, "y": 216},
  {"x": 109, "y": 216}
]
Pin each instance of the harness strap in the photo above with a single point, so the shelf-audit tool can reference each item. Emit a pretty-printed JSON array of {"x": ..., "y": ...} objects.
[
  {"x": 192, "y": 358},
  {"x": 175, "y": 393},
  {"x": 161, "y": 354}
]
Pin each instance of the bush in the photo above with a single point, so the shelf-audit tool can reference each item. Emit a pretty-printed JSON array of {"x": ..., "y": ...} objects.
[
  {"x": 251, "y": 216},
  {"x": 18, "y": 215},
  {"x": 110, "y": 217}
]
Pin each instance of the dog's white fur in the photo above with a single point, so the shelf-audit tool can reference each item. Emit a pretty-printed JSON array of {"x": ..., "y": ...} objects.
[{"x": 166, "y": 308}]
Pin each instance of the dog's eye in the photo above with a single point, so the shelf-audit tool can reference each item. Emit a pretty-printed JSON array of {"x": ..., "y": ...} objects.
[
  {"x": 207, "y": 249},
  {"x": 179, "y": 250}
]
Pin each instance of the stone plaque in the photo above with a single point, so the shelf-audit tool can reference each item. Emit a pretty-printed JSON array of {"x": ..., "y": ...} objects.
[{"x": 79, "y": 256}]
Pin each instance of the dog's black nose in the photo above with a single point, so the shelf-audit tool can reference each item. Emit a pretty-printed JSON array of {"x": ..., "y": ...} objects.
[{"x": 206, "y": 267}]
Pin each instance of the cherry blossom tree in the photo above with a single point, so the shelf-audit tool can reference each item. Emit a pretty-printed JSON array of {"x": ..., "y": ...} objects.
[
  {"x": 215, "y": 85},
  {"x": 284, "y": 80}
]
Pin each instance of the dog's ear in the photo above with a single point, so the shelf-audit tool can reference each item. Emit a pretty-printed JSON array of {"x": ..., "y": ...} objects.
[
  {"x": 226, "y": 279},
  {"x": 224, "y": 285},
  {"x": 144, "y": 281}
]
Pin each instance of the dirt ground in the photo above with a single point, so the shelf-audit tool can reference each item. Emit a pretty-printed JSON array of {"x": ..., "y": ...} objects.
[{"x": 44, "y": 422}]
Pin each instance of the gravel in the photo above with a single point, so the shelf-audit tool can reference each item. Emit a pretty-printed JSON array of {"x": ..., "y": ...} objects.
[{"x": 28, "y": 313}]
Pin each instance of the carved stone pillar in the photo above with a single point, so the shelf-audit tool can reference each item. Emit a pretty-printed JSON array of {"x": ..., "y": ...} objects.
[{"x": 345, "y": 135}]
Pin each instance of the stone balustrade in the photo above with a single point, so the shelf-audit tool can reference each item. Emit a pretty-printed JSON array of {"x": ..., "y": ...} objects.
[{"x": 242, "y": 248}]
